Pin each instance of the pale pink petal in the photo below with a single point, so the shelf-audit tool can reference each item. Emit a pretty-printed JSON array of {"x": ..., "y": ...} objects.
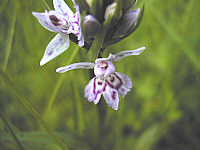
[
  {"x": 89, "y": 90},
  {"x": 94, "y": 89},
  {"x": 111, "y": 97},
  {"x": 57, "y": 45},
  {"x": 119, "y": 81},
  {"x": 83, "y": 65},
  {"x": 46, "y": 23},
  {"x": 127, "y": 53},
  {"x": 125, "y": 79},
  {"x": 62, "y": 8}
]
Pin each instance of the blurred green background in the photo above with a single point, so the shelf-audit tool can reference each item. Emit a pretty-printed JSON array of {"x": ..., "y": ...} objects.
[{"x": 162, "y": 111}]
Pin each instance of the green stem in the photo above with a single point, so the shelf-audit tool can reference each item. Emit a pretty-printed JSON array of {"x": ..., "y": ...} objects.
[
  {"x": 97, "y": 44},
  {"x": 31, "y": 109}
]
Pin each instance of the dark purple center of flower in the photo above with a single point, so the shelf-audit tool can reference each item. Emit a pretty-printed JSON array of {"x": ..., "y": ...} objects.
[
  {"x": 103, "y": 65},
  {"x": 54, "y": 20}
]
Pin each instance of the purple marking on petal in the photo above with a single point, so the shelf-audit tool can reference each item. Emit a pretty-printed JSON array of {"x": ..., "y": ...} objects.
[
  {"x": 94, "y": 86},
  {"x": 60, "y": 39},
  {"x": 109, "y": 84},
  {"x": 66, "y": 22},
  {"x": 99, "y": 83},
  {"x": 50, "y": 52},
  {"x": 112, "y": 79},
  {"x": 76, "y": 22},
  {"x": 113, "y": 95},
  {"x": 64, "y": 29},
  {"x": 54, "y": 20},
  {"x": 98, "y": 92},
  {"x": 104, "y": 88},
  {"x": 120, "y": 80}
]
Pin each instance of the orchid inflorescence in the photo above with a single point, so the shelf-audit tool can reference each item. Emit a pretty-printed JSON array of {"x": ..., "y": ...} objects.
[{"x": 65, "y": 23}]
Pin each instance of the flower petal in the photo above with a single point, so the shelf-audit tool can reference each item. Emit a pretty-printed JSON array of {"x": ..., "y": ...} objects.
[
  {"x": 124, "y": 54},
  {"x": 94, "y": 89},
  {"x": 84, "y": 65},
  {"x": 89, "y": 90},
  {"x": 76, "y": 25},
  {"x": 109, "y": 58},
  {"x": 62, "y": 8},
  {"x": 57, "y": 45},
  {"x": 126, "y": 83},
  {"x": 111, "y": 97},
  {"x": 46, "y": 23},
  {"x": 81, "y": 41}
]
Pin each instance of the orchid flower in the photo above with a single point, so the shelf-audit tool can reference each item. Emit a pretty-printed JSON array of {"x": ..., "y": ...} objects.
[
  {"x": 106, "y": 80},
  {"x": 62, "y": 21}
]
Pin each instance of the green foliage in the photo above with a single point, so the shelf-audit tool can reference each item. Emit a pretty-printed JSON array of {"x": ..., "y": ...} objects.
[{"x": 161, "y": 111}]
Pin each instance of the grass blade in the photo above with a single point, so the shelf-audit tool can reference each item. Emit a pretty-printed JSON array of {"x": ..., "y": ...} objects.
[
  {"x": 58, "y": 84},
  {"x": 79, "y": 110},
  {"x": 32, "y": 110},
  {"x": 46, "y": 5},
  {"x": 192, "y": 57},
  {"x": 11, "y": 131},
  {"x": 10, "y": 39}
]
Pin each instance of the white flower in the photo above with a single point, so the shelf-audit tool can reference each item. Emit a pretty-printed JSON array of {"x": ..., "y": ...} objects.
[
  {"x": 62, "y": 21},
  {"x": 106, "y": 80}
]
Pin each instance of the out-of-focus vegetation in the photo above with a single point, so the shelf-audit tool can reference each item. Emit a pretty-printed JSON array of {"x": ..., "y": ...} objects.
[{"x": 160, "y": 113}]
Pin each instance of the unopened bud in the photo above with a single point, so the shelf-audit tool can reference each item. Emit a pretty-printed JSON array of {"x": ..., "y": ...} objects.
[
  {"x": 127, "y": 21},
  {"x": 92, "y": 26},
  {"x": 110, "y": 10}
]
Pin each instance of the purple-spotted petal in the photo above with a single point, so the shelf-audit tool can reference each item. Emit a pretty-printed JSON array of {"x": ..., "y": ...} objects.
[
  {"x": 76, "y": 25},
  {"x": 94, "y": 89},
  {"x": 60, "y": 22},
  {"x": 124, "y": 54},
  {"x": 46, "y": 23},
  {"x": 111, "y": 97},
  {"x": 126, "y": 83},
  {"x": 62, "y": 8},
  {"x": 57, "y": 45},
  {"x": 84, "y": 65}
]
